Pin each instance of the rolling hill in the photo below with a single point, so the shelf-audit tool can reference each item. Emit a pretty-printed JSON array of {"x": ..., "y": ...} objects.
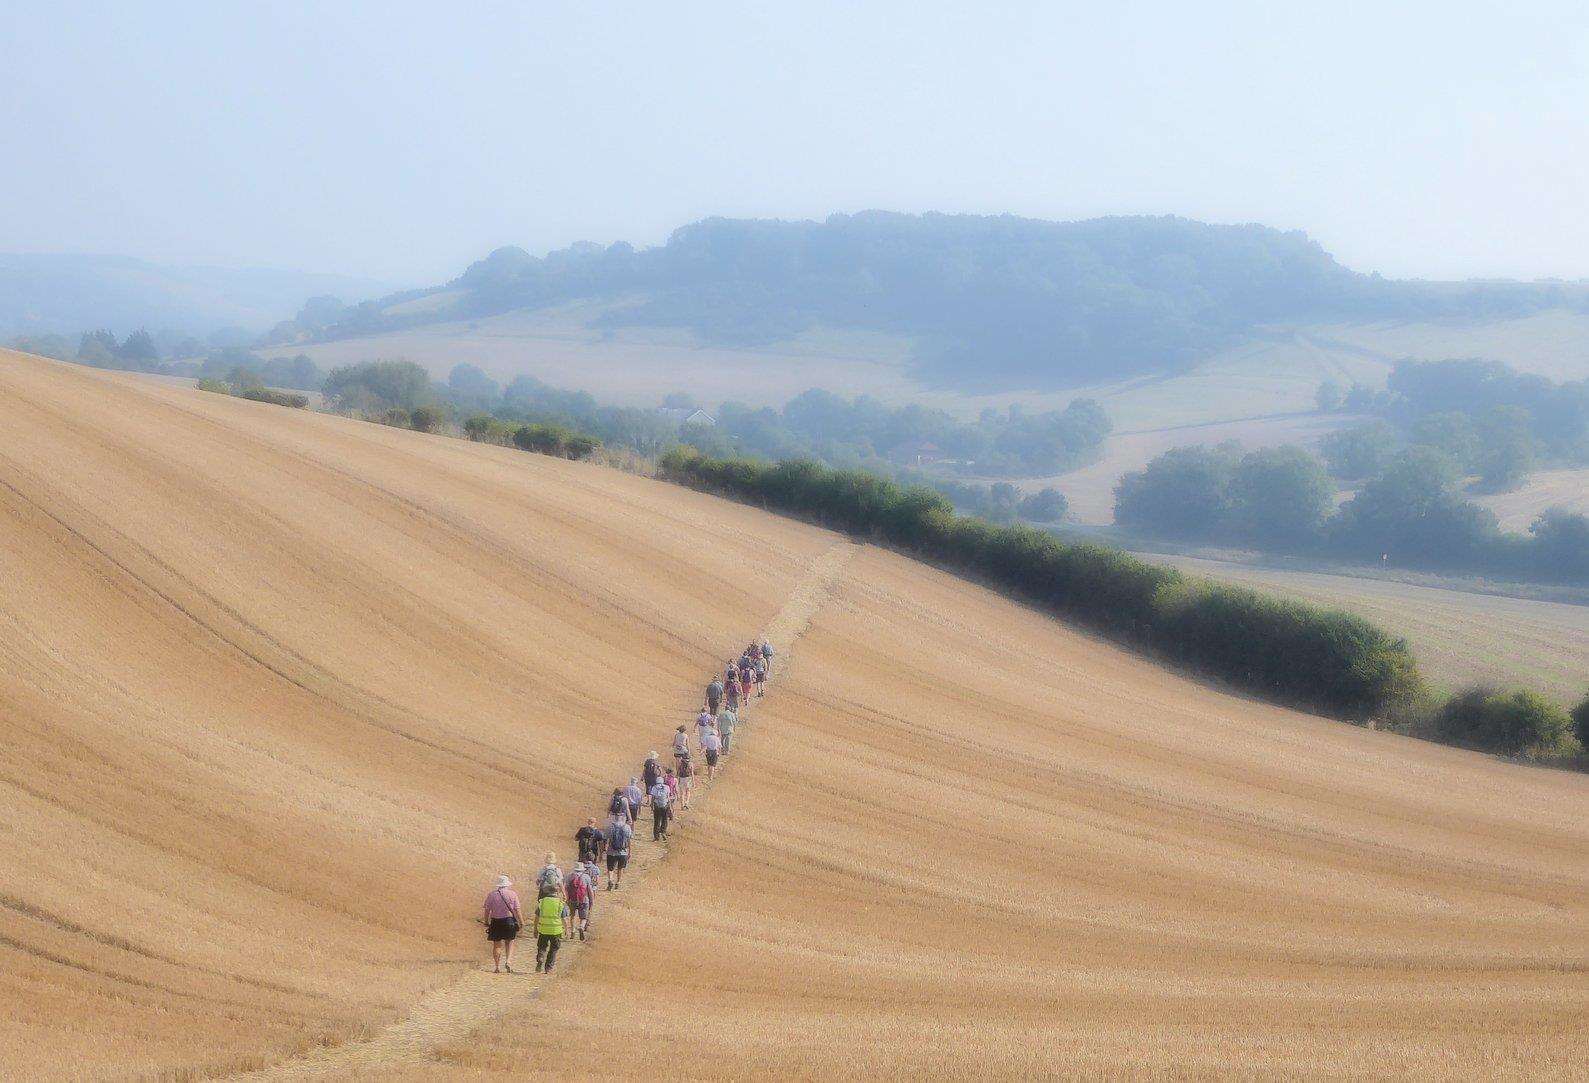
[{"x": 283, "y": 691}]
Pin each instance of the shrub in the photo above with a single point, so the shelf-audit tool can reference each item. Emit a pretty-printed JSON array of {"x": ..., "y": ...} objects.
[
  {"x": 275, "y": 398},
  {"x": 1580, "y": 721},
  {"x": 1506, "y": 722},
  {"x": 426, "y": 419},
  {"x": 555, "y": 440},
  {"x": 397, "y": 417},
  {"x": 218, "y": 387}
]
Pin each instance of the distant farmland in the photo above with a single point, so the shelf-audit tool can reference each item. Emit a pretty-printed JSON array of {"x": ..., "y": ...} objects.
[{"x": 1544, "y": 489}]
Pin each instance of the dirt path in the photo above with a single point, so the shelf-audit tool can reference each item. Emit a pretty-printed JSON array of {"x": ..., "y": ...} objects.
[{"x": 451, "y": 1013}]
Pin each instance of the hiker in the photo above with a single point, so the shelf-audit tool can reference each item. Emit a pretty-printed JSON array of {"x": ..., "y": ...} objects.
[
  {"x": 746, "y": 677},
  {"x": 725, "y": 728},
  {"x": 590, "y": 841},
  {"x": 579, "y": 890},
  {"x": 731, "y": 693},
  {"x": 714, "y": 695},
  {"x": 686, "y": 775},
  {"x": 681, "y": 745},
  {"x": 766, "y": 655},
  {"x": 661, "y": 808},
  {"x": 651, "y": 773},
  {"x": 502, "y": 920},
  {"x": 636, "y": 797},
  {"x": 703, "y": 722},
  {"x": 549, "y": 881},
  {"x": 618, "y": 838},
  {"x": 730, "y": 668},
  {"x": 761, "y": 677},
  {"x": 671, "y": 780},
  {"x": 711, "y": 745},
  {"x": 549, "y": 915},
  {"x": 619, "y": 805}
]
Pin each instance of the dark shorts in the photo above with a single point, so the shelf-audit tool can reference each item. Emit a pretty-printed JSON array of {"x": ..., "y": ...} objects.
[
  {"x": 711, "y": 758},
  {"x": 617, "y": 861},
  {"x": 582, "y": 911},
  {"x": 502, "y": 929}
]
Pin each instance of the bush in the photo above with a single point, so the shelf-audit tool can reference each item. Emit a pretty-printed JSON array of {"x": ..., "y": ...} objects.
[
  {"x": 396, "y": 417},
  {"x": 555, "y": 440},
  {"x": 275, "y": 398},
  {"x": 1580, "y": 721},
  {"x": 426, "y": 419},
  {"x": 217, "y": 387},
  {"x": 1289, "y": 651},
  {"x": 1506, "y": 722}
]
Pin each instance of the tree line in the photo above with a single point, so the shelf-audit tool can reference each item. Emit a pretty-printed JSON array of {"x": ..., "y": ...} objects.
[
  {"x": 1411, "y": 512},
  {"x": 1495, "y": 424}
]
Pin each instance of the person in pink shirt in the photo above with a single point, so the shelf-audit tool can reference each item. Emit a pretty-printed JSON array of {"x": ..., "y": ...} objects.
[{"x": 502, "y": 920}]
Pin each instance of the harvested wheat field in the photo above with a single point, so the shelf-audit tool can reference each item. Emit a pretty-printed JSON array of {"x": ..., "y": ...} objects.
[{"x": 281, "y": 693}]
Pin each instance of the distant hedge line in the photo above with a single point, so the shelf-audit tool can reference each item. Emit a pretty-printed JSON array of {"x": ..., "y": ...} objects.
[{"x": 1332, "y": 662}]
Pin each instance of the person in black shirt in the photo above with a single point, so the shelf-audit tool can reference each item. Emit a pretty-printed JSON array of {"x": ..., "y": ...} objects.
[{"x": 591, "y": 841}]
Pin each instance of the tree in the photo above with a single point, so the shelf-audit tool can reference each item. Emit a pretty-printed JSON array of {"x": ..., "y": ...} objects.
[
  {"x": 1508, "y": 452},
  {"x": 374, "y": 386},
  {"x": 680, "y": 400},
  {"x": 139, "y": 348},
  {"x": 1452, "y": 432},
  {"x": 322, "y": 311},
  {"x": 1360, "y": 451},
  {"x": 472, "y": 388},
  {"x": 1279, "y": 497},
  {"x": 1580, "y": 721},
  {"x": 1329, "y": 397},
  {"x": 97, "y": 348},
  {"x": 1185, "y": 492},
  {"x": 1047, "y": 505},
  {"x": 1412, "y": 513},
  {"x": 1561, "y": 544}
]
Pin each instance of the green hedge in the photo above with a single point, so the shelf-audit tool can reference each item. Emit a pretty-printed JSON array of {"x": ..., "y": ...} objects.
[
  {"x": 555, "y": 440},
  {"x": 1287, "y": 651}
]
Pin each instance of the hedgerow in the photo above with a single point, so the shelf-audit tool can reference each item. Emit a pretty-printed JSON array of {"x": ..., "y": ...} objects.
[{"x": 1286, "y": 651}]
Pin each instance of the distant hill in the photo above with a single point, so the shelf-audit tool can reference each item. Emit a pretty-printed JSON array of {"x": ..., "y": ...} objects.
[
  {"x": 990, "y": 302},
  {"x": 65, "y": 294}
]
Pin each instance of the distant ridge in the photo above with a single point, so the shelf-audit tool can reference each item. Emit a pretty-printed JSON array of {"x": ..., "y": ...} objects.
[{"x": 992, "y": 302}]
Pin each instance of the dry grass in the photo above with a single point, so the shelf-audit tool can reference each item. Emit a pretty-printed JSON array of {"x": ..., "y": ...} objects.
[
  {"x": 280, "y": 691},
  {"x": 1545, "y": 489}
]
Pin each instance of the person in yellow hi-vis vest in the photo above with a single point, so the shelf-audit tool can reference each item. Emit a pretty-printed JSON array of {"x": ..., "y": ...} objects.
[{"x": 549, "y": 914}]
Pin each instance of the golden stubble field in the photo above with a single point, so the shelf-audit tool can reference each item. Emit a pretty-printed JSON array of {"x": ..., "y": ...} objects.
[{"x": 281, "y": 692}]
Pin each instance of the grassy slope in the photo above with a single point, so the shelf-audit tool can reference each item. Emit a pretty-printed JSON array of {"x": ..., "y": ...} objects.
[{"x": 282, "y": 691}]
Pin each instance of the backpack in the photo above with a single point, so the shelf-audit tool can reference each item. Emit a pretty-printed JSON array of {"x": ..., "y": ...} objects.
[
  {"x": 619, "y": 806},
  {"x": 550, "y": 880},
  {"x": 578, "y": 888}
]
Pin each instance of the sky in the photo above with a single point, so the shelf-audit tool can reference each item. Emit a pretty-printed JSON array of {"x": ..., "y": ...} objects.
[{"x": 401, "y": 140}]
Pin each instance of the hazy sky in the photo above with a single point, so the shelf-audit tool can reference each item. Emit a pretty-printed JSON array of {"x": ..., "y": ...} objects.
[{"x": 404, "y": 140}]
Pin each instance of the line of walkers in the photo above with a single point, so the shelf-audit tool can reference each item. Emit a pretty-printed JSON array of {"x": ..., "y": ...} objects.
[{"x": 563, "y": 903}]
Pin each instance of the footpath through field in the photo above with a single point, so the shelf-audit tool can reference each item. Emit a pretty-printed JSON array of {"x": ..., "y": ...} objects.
[{"x": 449, "y": 1014}]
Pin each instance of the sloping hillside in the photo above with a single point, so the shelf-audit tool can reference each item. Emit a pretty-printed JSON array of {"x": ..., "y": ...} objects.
[{"x": 282, "y": 691}]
